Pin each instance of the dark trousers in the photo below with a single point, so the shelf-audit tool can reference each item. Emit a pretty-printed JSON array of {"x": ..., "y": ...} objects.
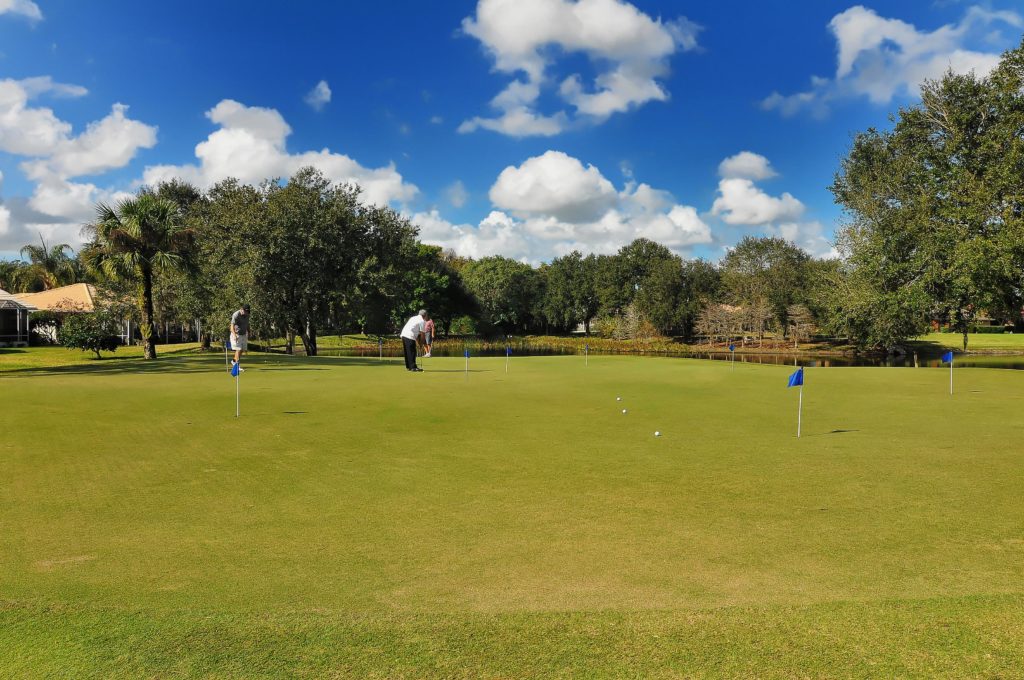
[{"x": 410, "y": 353}]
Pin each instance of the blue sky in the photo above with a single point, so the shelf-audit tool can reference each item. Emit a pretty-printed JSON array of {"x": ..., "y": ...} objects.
[{"x": 525, "y": 128}]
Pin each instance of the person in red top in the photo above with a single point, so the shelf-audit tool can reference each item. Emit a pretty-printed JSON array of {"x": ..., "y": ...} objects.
[{"x": 428, "y": 335}]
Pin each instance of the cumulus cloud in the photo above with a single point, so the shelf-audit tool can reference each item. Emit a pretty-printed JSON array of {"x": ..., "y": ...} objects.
[
  {"x": 807, "y": 235},
  {"x": 552, "y": 204},
  {"x": 319, "y": 96},
  {"x": 250, "y": 145},
  {"x": 28, "y": 130},
  {"x": 25, "y": 8},
  {"x": 109, "y": 143},
  {"x": 554, "y": 184},
  {"x": 881, "y": 58},
  {"x": 5, "y": 214},
  {"x": 747, "y": 164},
  {"x": 629, "y": 49},
  {"x": 54, "y": 157},
  {"x": 741, "y": 202}
]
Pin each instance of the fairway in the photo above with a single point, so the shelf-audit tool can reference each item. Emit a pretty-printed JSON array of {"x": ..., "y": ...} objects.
[{"x": 358, "y": 520}]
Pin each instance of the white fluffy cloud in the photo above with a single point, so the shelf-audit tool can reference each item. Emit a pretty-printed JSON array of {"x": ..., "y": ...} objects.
[
  {"x": 553, "y": 204},
  {"x": 629, "y": 48},
  {"x": 554, "y": 184},
  {"x": 747, "y": 164},
  {"x": 5, "y": 214},
  {"x": 319, "y": 96},
  {"x": 54, "y": 157},
  {"x": 249, "y": 144},
  {"x": 25, "y": 8},
  {"x": 109, "y": 143},
  {"x": 808, "y": 235},
  {"x": 880, "y": 58},
  {"x": 28, "y": 130},
  {"x": 740, "y": 202}
]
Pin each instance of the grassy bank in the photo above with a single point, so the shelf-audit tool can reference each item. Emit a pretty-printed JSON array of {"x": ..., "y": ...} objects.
[
  {"x": 362, "y": 521},
  {"x": 978, "y": 342}
]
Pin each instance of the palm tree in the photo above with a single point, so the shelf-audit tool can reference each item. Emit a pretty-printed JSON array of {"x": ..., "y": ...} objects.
[
  {"x": 132, "y": 240},
  {"x": 12, "y": 276},
  {"x": 49, "y": 267}
]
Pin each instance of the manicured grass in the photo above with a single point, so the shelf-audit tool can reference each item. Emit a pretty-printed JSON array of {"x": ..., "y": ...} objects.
[
  {"x": 21, "y": 358},
  {"x": 362, "y": 521},
  {"x": 978, "y": 341}
]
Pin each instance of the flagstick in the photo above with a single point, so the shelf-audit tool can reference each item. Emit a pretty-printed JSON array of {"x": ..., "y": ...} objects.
[
  {"x": 506, "y": 362},
  {"x": 236, "y": 396},
  {"x": 800, "y": 410},
  {"x": 951, "y": 377},
  {"x": 586, "y": 355}
]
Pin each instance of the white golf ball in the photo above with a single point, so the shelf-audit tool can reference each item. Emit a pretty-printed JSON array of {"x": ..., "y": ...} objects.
[
  {"x": 618, "y": 398},
  {"x": 657, "y": 434},
  {"x": 623, "y": 410}
]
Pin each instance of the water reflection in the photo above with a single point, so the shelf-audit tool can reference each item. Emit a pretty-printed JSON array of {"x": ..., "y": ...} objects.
[{"x": 913, "y": 360}]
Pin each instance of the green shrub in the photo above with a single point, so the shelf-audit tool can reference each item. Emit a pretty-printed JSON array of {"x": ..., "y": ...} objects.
[{"x": 89, "y": 332}]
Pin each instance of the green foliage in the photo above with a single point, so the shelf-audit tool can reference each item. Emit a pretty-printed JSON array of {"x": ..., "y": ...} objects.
[
  {"x": 506, "y": 290},
  {"x": 90, "y": 332},
  {"x": 570, "y": 295},
  {"x": 764, "y": 270},
  {"x": 936, "y": 207},
  {"x": 463, "y": 325}
]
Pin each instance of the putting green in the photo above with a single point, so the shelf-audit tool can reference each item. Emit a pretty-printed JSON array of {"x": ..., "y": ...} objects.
[{"x": 361, "y": 520}]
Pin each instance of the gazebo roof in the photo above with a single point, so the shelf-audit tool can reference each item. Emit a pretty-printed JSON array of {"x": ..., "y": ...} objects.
[{"x": 8, "y": 301}]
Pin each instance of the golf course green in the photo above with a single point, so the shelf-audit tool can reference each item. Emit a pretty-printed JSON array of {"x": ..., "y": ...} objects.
[{"x": 361, "y": 521}]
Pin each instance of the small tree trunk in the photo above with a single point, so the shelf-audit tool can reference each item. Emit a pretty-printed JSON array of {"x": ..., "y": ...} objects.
[
  {"x": 289, "y": 342},
  {"x": 309, "y": 339},
  {"x": 148, "y": 330},
  {"x": 586, "y": 327}
]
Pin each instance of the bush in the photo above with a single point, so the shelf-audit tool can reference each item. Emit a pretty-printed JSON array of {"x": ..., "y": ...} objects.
[
  {"x": 463, "y": 325},
  {"x": 89, "y": 332}
]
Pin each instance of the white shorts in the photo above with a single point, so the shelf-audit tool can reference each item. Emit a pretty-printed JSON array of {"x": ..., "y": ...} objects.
[{"x": 239, "y": 342}]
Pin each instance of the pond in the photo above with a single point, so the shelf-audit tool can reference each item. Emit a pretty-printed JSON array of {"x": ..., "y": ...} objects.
[{"x": 920, "y": 359}]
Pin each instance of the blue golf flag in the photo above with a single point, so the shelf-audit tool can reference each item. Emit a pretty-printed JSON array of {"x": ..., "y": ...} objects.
[
  {"x": 234, "y": 369},
  {"x": 947, "y": 358},
  {"x": 797, "y": 378},
  {"x": 732, "y": 348},
  {"x": 508, "y": 350},
  {"x": 466, "y": 354}
]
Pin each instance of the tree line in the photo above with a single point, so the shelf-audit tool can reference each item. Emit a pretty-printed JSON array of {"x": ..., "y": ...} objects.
[{"x": 934, "y": 235}]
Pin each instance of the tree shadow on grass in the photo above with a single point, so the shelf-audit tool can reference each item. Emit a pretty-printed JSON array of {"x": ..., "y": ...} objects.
[{"x": 211, "y": 362}]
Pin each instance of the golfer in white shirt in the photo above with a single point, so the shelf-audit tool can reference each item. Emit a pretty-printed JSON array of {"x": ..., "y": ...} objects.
[{"x": 411, "y": 333}]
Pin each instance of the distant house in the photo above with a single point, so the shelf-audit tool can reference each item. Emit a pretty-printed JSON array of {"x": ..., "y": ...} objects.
[
  {"x": 78, "y": 298},
  {"x": 13, "y": 320}
]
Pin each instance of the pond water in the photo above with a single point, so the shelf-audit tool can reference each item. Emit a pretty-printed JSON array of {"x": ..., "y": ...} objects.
[{"x": 929, "y": 359}]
